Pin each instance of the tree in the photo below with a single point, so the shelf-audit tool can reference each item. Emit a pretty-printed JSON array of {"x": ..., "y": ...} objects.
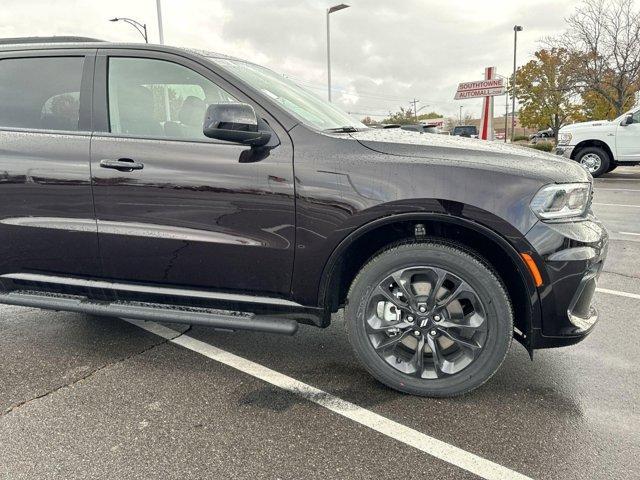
[
  {"x": 545, "y": 90},
  {"x": 369, "y": 121},
  {"x": 403, "y": 117},
  {"x": 597, "y": 107},
  {"x": 160, "y": 95},
  {"x": 455, "y": 121},
  {"x": 429, "y": 116},
  {"x": 407, "y": 116},
  {"x": 603, "y": 40}
]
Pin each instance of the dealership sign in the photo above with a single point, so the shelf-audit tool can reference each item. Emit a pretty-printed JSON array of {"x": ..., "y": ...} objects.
[
  {"x": 480, "y": 89},
  {"x": 486, "y": 89}
]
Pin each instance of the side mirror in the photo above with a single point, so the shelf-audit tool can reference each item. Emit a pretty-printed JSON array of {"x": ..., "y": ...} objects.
[
  {"x": 628, "y": 120},
  {"x": 234, "y": 122}
]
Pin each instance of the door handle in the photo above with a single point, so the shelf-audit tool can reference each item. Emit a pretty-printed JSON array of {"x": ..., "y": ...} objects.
[{"x": 122, "y": 164}]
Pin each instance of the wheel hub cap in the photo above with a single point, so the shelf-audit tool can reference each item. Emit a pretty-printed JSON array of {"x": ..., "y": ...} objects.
[
  {"x": 402, "y": 327},
  {"x": 591, "y": 162}
]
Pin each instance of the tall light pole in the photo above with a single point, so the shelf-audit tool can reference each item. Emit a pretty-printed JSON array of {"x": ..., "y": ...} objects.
[
  {"x": 140, "y": 27},
  {"x": 330, "y": 10},
  {"x": 460, "y": 117},
  {"x": 516, "y": 29},
  {"x": 506, "y": 107},
  {"x": 160, "y": 30},
  {"x": 506, "y": 111}
]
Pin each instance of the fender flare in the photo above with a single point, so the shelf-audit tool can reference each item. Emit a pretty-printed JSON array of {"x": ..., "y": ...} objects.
[{"x": 503, "y": 243}]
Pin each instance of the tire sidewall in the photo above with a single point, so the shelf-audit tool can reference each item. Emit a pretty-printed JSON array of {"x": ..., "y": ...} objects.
[{"x": 498, "y": 312}]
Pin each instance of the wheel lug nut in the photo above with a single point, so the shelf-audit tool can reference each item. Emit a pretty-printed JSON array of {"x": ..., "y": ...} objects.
[
  {"x": 437, "y": 318},
  {"x": 422, "y": 309},
  {"x": 416, "y": 333},
  {"x": 410, "y": 319},
  {"x": 433, "y": 333}
]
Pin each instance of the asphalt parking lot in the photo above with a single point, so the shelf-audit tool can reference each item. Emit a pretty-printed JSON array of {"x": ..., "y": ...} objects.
[{"x": 83, "y": 397}]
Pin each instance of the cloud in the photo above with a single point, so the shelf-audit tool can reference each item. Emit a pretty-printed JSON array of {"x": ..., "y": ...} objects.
[{"x": 384, "y": 53}]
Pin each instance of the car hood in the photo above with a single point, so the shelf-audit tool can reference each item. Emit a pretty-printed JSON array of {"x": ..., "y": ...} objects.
[
  {"x": 495, "y": 156},
  {"x": 595, "y": 125}
]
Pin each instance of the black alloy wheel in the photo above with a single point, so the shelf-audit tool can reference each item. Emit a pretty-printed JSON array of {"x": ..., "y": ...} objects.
[{"x": 431, "y": 319}]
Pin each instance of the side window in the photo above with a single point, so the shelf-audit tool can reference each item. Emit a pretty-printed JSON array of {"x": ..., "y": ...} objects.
[
  {"x": 158, "y": 98},
  {"x": 40, "y": 92},
  {"x": 636, "y": 116}
]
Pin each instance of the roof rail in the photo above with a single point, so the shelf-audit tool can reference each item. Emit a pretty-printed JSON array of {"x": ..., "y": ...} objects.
[{"x": 60, "y": 39}]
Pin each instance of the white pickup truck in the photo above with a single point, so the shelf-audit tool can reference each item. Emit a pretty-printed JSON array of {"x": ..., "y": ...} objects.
[{"x": 603, "y": 145}]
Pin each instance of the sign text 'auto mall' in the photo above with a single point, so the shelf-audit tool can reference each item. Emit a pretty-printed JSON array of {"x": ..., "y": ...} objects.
[{"x": 480, "y": 88}]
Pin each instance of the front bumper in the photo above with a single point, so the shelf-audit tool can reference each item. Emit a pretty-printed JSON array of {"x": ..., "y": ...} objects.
[
  {"x": 564, "y": 150},
  {"x": 573, "y": 256}
]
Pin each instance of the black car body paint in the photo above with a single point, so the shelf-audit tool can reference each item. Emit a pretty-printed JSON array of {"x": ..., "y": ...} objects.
[{"x": 268, "y": 231}]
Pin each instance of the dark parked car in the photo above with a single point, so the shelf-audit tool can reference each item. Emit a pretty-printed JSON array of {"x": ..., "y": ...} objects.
[
  {"x": 420, "y": 128},
  {"x": 542, "y": 135},
  {"x": 465, "y": 131},
  {"x": 156, "y": 183}
]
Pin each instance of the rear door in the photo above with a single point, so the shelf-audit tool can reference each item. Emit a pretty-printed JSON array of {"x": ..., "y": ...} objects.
[
  {"x": 193, "y": 212},
  {"x": 47, "y": 224}
]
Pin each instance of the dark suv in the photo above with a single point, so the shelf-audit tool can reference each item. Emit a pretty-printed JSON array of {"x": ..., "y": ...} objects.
[
  {"x": 465, "y": 131},
  {"x": 163, "y": 184}
]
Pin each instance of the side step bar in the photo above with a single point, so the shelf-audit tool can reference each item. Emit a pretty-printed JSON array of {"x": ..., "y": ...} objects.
[{"x": 152, "y": 312}]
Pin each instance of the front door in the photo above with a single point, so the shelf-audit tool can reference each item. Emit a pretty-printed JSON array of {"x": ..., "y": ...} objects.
[
  {"x": 47, "y": 224},
  {"x": 628, "y": 140},
  {"x": 191, "y": 211}
]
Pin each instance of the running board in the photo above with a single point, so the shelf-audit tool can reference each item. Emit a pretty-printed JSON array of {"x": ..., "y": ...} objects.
[{"x": 222, "y": 319}]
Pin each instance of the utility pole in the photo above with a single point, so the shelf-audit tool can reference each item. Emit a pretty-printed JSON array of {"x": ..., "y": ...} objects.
[
  {"x": 460, "y": 116},
  {"x": 516, "y": 29},
  {"x": 415, "y": 108}
]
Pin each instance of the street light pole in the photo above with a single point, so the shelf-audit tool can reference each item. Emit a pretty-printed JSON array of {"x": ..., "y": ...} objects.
[
  {"x": 160, "y": 30},
  {"x": 506, "y": 107},
  {"x": 140, "y": 27},
  {"x": 516, "y": 29},
  {"x": 167, "y": 106},
  {"x": 506, "y": 113},
  {"x": 330, "y": 10},
  {"x": 460, "y": 117}
]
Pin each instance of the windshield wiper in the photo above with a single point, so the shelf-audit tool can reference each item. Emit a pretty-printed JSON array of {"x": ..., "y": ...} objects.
[{"x": 347, "y": 129}]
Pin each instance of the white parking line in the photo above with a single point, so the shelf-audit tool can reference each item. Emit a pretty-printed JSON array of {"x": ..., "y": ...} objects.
[
  {"x": 606, "y": 180},
  {"x": 618, "y": 293},
  {"x": 617, "y": 205},
  {"x": 455, "y": 456},
  {"x": 616, "y": 179},
  {"x": 629, "y": 233},
  {"x": 598, "y": 189}
]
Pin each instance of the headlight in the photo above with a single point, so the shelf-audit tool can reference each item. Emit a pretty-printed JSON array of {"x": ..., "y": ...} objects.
[
  {"x": 563, "y": 200},
  {"x": 564, "y": 138}
]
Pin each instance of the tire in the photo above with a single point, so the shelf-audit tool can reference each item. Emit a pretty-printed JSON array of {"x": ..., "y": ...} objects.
[
  {"x": 612, "y": 167},
  {"x": 595, "y": 160},
  {"x": 421, "y": 266}
]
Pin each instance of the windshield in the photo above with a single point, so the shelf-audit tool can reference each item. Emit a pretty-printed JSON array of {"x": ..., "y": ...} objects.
[
  {"x": 304, "y": 105},
  {"x": 625, "y": 115}
]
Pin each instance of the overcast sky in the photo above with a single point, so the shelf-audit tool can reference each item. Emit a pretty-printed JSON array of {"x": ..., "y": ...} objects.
[{"x": 384, "y": 52}]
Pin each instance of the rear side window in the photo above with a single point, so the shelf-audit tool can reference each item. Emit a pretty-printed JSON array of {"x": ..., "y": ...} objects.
[{"x": 40, "y": 92}]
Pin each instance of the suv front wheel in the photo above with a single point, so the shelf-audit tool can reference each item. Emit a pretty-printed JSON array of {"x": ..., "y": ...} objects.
[
  {"x": 595, "y": 160},
  {"x": 429, "y": 319}
]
